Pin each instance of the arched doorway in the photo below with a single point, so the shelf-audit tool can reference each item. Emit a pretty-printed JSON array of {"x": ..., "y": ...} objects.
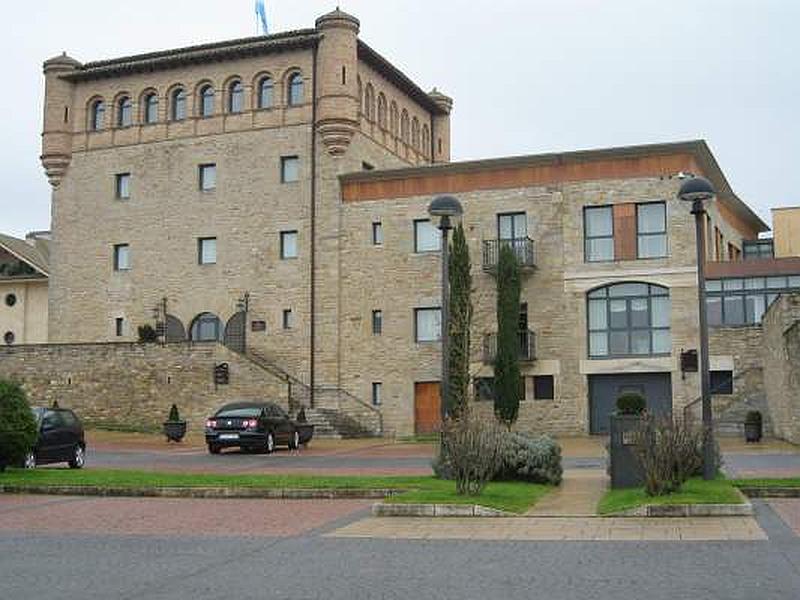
[
  {"x": 174, "y": 331},
  {"x": 234, "y": 332},
  {"x": 206, "y": 327}
]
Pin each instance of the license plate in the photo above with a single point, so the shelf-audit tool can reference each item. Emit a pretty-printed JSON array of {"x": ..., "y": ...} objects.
[{"x": 229, "y": 436}]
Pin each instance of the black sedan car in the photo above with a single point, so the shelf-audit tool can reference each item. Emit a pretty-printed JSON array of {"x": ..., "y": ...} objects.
[
  {"x": 60, "y": 439},
  {"x": 255, "y": 426}
]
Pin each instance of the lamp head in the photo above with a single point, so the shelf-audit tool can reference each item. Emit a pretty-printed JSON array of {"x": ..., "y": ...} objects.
[
  {"x": 445, "y": 206},
  {"x": 696, "y": 188}
]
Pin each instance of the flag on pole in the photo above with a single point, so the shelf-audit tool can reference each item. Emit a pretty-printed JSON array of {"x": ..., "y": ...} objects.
[{"x": 261, "y": 15}]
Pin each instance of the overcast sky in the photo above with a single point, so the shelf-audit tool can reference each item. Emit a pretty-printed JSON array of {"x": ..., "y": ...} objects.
[{"x": 527, "y": 76}]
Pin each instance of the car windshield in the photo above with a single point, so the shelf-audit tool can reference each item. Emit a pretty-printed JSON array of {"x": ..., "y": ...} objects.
[
  {"x": 239, "y": 412},
  {"x": 38, "y": 413}
]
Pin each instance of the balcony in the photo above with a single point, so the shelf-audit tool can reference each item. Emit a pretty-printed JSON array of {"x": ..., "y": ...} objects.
[
  {"x": 527, "y": 347},
  {"x": 522, "y": 248}
]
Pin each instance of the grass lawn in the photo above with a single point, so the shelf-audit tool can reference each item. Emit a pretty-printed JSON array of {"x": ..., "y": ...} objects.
[
  {"x": 511, "y": 496},
  {"x": 694, "y": 491},
  {"x": 790, "y": 482}
]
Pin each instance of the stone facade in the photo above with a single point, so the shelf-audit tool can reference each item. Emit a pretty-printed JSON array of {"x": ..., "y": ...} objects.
[
  {"x": 134, "y": 385},
  {"x": 782, "y": 365}
]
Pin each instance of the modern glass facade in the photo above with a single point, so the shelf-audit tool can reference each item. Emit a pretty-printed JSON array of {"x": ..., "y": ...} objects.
[{"x": 739, "y": 301}]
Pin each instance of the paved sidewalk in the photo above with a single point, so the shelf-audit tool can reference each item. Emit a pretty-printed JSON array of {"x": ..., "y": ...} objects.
[
  {"x": 555, "y": 529},
  {"x": 577, "y": 496}
]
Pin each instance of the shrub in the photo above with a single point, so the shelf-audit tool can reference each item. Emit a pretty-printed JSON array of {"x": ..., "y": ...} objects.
[
  {"x": 174, "y": 415},
  {"x": 18, "y": 430},
  {"x": 532, "y": 458},
  {"x": 631, "y": 404},
  {"x": 147, "y": 334},
  {"x": 473, "y": 449},
  {"x": 669, "y": 452}
]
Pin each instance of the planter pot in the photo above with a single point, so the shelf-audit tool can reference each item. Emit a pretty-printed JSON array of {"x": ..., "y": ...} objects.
[
  {"x": 753, "y": 431},
  {"x": 174, "y": 430}
]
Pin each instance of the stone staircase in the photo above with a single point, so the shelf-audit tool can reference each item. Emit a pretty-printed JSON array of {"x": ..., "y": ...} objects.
[{"x": 336, "y": 413}]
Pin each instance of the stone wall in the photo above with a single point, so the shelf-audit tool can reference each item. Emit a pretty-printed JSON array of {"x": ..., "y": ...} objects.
[
  {"x": 134, "y": 385},
  {"x": 782, "y": 365}
]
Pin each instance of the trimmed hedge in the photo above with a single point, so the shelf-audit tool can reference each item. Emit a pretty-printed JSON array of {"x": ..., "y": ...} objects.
[{"x": 18, "y": 429}]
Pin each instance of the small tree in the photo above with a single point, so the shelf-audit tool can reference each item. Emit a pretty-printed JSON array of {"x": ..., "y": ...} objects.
[
  {"x": 506, "y": 364},
  {"x": 174, "y": 415},
  {"x": 460, "y": 321},
  {"x": 18, "y": 428},
  {"x": 473, "y": 448}
]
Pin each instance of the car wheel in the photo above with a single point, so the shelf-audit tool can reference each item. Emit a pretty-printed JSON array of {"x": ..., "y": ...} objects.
[
  {"x": 78, "y": 458},
  {"x": 30, "y": 461},
  {"x": 294, "y": 441},
  {"x": 269, "y": 445},
  {"x": 213, "y": 449}
]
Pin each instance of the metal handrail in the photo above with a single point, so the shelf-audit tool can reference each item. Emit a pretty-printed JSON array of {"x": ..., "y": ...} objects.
[
  {"x": 527, "y": 346},
  {"x": 523, "y": 248}
]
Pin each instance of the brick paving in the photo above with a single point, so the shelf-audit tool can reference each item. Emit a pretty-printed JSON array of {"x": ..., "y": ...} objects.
[{"x": 166, "y": 516}]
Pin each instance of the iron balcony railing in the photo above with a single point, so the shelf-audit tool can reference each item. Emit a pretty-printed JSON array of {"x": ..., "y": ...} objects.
[
  {"x": 526, "y": 344},
  {"x": 522, "y": 247}
]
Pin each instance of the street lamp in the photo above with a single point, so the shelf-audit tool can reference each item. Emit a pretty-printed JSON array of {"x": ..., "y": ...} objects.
[
  {"x": 697, "y": 190},
  {"x": 446, "y": 208}
]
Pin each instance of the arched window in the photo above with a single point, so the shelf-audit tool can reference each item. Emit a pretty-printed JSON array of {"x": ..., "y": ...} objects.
[
  {"x": 124, "y": 112},
  {"x": 382, "y": 110},
  {"x": 415, "y": 133},
  {"x": 150, "y": 108},
  {"x": 369, "y": 102},
  {"x": 206, "y": 101},
  {"x": 98, "y": 115},
  {"x": 178, "y": 108},
  {"x": 265, "y": 92},
  {"x": 629, "y": 319},
  {"x": 295, "y": 92},
  {"x": 404, "y": 126},
  {"x": 426, "y": 140},
  {"x": 206, "y": 327},
  {"x": 393, "y": 118},
  {"x": 235, "y": 97}
]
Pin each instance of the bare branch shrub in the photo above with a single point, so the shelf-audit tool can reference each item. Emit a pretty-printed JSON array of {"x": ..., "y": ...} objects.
[{"x": 473, "y": 447}]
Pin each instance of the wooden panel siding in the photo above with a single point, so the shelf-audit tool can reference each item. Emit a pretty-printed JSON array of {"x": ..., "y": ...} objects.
[{"x": 625, "y": 246}]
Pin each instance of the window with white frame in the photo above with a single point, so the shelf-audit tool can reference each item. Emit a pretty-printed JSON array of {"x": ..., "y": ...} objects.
[
  {"x": 207, "y": 251},
  {"x": 427, "y": 237},
  {"x": 288, "y": 244}
]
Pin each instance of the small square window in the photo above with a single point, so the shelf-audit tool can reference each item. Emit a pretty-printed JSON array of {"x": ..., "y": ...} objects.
[
  {"x": 122, "y": 186},
  {"x": 428, "y": 324},
  {"x": 122, "y": 257},
  {"x": 427, "y": 238},
  {"x": 288, "y": 318},
  {"x": 721, "y": 382},
  {"x": 288, "y": 244},
  {"x": 377, "y": 391},
  {"x": 207, "y": 251},
  {"x": 290, "y": 169},
  {"x": 377, "y": 322},
  {"x": 377, "y": 233},
  {"x": 119, "y": 326},
  {"x": 543, "y": 387},
  {"x": 208, "y": 177}
]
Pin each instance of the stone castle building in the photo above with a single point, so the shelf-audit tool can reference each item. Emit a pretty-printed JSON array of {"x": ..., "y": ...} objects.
[{"x": 271, "y": 194}]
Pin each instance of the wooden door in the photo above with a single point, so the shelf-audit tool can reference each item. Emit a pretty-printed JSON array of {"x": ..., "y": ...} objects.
[{"x": 427, "y": 407}]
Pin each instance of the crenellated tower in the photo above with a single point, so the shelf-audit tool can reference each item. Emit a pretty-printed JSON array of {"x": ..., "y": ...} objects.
[{"x": 58, "y": 116}]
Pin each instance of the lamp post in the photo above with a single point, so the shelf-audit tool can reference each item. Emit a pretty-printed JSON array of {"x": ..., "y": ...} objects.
[
  {"x": 697, "y": 190},
  {"x": 446, "y": 208}
]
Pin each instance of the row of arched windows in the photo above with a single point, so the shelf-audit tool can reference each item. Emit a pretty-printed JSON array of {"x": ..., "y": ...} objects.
[
  {"x": 388, "y": 118},
  {"x": 205, "y": 105}
]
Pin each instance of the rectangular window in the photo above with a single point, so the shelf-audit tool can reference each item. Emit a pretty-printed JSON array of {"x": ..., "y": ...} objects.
[
  {"x": 758, "y": 249},
  {"x": 290, "y": 169},
  {"x": 122, "y": 257},
  {"x": 598, "y": 227},
  {"x": 207, "y": 251},
  {"x": 427, "y": 324},
  {"x": 288, "y": 318},
  {"x": 719, "y": 244},
  {"x": 543, "y": 387},
  {"x": 208, "y": 177},
  {"x": 377, "y": 390},
  {"x": 122, "y": 186},
  {"x": 377, "y": 322},
  {"x": 651, "y": 230},
  {"x": 512, "y": 226},
  {"x": 119, "y": 325},
  {"x": 377, "y": 233},
  {"x": 288, "y": 244},
  {"x": 721, "y": 382},
  {"x": 427, "y": 237}
]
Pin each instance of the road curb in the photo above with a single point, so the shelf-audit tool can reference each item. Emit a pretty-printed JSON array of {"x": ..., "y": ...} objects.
[
  {"x": 770, "y": 491},
  {"x": 380, "y": 509},
  {"x": 688, "y": 510},
  {"x": 200, "y": 492}
]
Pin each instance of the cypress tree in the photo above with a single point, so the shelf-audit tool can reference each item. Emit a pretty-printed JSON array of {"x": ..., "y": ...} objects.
[
  {"x": 460, "y": 320},
  {"x": 506, "y": 366}
]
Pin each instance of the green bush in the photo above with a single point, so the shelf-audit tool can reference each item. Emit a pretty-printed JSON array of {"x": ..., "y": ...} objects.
[
  {"x": 631, "y": 404},
  {"x": 531, "y": 458},
  {"x": 147, "y": 334},
  {"x": 174, "y": 415},
  {"x": 753, "y": 416},
  {"x": 18, "y": 430},
  {"x": 473, "y": 448}
]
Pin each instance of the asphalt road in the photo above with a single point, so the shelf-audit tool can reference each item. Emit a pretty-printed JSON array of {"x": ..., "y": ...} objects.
[{"x": 307, "y": 565}]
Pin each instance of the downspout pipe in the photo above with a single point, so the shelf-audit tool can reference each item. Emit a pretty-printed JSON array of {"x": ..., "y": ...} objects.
[{"x": 313, "y": 213}]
